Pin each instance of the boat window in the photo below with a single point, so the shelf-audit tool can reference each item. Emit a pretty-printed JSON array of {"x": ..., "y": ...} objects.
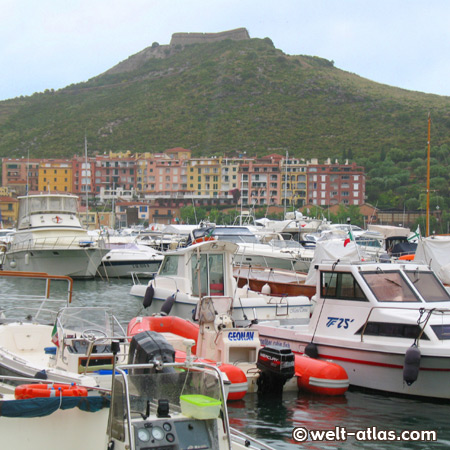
[
  {"x": 442, "y": 331},
  {"x": 210, "y": 268},
  {"x": 428, "y": 285},
  {"x": 396, "y": 330},
  {"x": 390, "y": 287},
  {"x": 341, "y": 285},
  {"x": 169, "y": 265}
]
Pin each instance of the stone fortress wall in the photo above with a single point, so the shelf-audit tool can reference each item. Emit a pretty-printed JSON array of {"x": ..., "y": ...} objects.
[{"x": 238, "y": 34}]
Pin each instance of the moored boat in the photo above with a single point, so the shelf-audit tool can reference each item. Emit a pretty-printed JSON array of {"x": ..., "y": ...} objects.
[
  {"x": 50, "y": 238},
  {"x": 238, "y": 353},
  {"x": 385, "y": 324}
]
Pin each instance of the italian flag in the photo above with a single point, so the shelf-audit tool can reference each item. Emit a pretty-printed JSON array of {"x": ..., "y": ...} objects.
[
  {"x": 55, "y": 339},
  {"x": 349, "y": 238}
]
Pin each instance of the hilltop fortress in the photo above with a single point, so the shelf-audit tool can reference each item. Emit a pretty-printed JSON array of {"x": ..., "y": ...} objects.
[
  {"x": 179, "y": 40},
  {"x": 238, "y": 34}
]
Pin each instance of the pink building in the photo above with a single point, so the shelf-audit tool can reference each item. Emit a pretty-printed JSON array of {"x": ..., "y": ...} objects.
[
  {"x": 17, "y": 173},
  {"x": 260, "y": 180}
]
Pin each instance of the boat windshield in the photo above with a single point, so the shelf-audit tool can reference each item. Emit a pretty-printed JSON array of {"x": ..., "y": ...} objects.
[
  {"x": 428, "y": 285},
  {"x": 148, "y": 390},
  {"x": 208, "y": 274},
  {"x": 390, "y": 286},
  {"x": 89, "y": 319}
]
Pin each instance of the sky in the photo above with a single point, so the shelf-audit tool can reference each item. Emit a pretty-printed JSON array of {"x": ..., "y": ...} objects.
[{"x": 50, "y": 44}]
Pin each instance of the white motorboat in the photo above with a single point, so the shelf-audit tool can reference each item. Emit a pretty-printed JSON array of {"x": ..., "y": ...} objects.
[
  {"x": 206, "y": 269},
  {"x": 49, "y": 238},
  {"x": 386, "y": 324},
  {"x": 120, "y": 262},
  {"x": 74, "y": 347},
  {"x": 277, "y": 253},
  {"x": 153, "y": 405}
]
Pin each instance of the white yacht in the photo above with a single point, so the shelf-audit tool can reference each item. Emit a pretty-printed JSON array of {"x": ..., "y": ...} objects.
[
  {"x": 386, "y": 324},
  {"x": 50, "y": 238}
]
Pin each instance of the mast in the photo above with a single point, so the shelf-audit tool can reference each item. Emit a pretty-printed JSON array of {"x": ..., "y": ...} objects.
[
  {"x": 427, "y": 231},
  {"x": 285, "y": 183},
  {"x": 86, "y": 181}
]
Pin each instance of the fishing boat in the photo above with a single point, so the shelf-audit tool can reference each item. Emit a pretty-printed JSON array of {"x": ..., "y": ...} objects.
[
  {"x": 50, "y": 238},
  {"x": 44, "y": 337},
  {"x": 239, "y": 354},
  {"x": 121, "y": 262},
  {"x": 205, "y": 269},
  {"x": 154, "y": 403},
  {"x": 386, "y": 324}
]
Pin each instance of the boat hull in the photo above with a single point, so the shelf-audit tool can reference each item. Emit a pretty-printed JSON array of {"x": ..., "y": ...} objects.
[
  {"x": 76, "y": 263},
  {"x": 369, "y": 367}
]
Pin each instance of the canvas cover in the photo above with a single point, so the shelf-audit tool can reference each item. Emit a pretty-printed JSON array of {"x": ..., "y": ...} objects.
[
  {"x": 435, "y": 252},
  {"x": 331, "y": 250}
]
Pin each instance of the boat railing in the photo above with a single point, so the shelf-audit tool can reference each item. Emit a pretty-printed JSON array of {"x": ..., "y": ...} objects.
[
  {"x": 424, "y": 315},
  {"x": 40, "y": 301},
  {"x": 49, "y": 243}
]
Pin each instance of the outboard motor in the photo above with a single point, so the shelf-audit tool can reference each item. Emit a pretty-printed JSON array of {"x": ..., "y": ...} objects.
[
  {"x": 150, "y": 346},
  {"x": 277, "y": 365}
]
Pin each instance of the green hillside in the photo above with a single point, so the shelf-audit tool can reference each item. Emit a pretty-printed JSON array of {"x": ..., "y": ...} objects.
[
  {"x": 220, "y": 97},
  {"x": 229, "y": 96}
]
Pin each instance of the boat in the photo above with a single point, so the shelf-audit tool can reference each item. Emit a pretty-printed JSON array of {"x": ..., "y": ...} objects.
[
  {"x": 121, "y": 262},
  {"x": 50, "y": 238},
  {"x": 276, "y": 253},
  {"x": 238, "y": 353},
  {"x": 205, "y": 269},
  {"x": 44, "y": 337},
  {"x": 154, "y": 403},
  {"x": 384, "y": 323},
  {"x": 280, "y": 282}
]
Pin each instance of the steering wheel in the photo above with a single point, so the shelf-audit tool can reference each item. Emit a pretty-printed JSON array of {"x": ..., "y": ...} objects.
[{"x": 93, "y": 335}]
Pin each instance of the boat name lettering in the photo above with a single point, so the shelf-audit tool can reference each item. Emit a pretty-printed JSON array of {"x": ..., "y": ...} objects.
[
  {"x": 241, "y": 335},
  {"x": 340, "y": 322}
]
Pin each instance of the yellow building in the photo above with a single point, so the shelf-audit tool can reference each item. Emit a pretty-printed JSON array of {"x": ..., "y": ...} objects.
[
  {"x": 55, "y": 175},
  {"x": 9, "y": 210},
  {"x": 204, "y": 177}
]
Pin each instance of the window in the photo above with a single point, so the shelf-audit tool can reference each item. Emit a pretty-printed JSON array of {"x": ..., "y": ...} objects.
[
  {"x": 210, "y": 269},
  {"x": 169, "y": 266},
  {"x": 341, "y": 285},
  {"x": 390, "y": 287}
]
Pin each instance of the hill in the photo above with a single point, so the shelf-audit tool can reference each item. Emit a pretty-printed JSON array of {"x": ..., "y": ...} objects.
[{"x": 219, "y": 97}]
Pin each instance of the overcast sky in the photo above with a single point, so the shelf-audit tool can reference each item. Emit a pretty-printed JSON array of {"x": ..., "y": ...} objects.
[{"x": 49, "y": 44}]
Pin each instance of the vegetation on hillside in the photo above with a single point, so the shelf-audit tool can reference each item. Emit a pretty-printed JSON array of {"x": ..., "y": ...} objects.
[{"x": 234, "y": 96}]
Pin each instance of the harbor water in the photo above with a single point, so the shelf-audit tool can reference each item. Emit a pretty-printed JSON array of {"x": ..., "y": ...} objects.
[{"x": 272, "y": 419}]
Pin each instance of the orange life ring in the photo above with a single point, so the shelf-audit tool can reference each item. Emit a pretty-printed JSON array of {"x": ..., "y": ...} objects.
[{"x": 25, "y": 391}]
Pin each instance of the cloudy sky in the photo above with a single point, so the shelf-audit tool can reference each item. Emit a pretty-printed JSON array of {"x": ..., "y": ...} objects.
[{"x": 49, "y": 44}]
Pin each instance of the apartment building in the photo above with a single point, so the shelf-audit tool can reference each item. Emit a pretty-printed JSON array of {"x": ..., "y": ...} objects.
[
  {"x": 55, "y": 175},
  {"x": 333, "y": 183},
  {"x": 294, "y": 181},
  {"x": 260, "y": 180},
  {"x": 20, "y": 175}
]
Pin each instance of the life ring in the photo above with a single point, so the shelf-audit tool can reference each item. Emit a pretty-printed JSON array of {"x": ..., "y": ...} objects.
[
  {"x": 203, "y": 239},
  {"x": 25, "y": 391}
]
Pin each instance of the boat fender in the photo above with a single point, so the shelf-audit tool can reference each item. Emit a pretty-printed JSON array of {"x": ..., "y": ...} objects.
[
  {"x": 412, "y": 365},
  {"x": 266, "y": 289},
  {"x": 167, "y": 305},
  {"x": 311, "y": 351},
  {"x": 148, "y": 297}
]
